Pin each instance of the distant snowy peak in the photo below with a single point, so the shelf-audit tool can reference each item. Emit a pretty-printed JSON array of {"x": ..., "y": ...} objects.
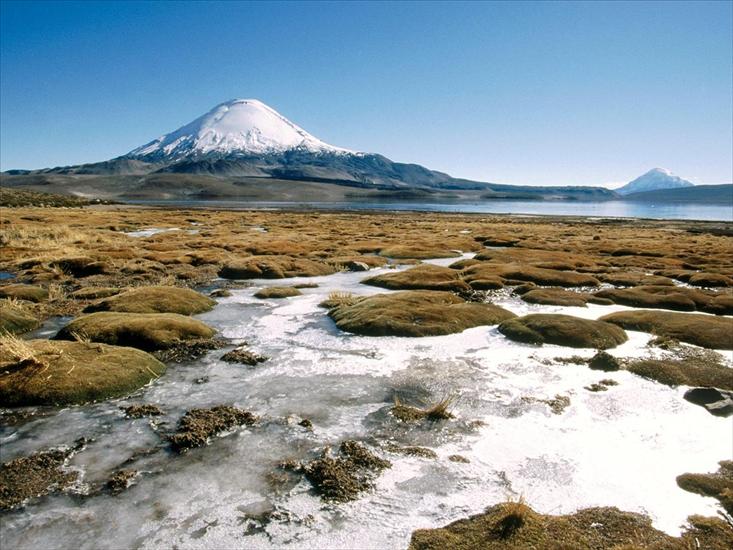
[
  {"x": 240, "y": 126},
  {"x": 657, "y": 178}
]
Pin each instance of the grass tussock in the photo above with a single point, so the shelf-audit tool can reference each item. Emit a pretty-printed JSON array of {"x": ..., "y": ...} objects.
[{"x": 436, "y": 412}]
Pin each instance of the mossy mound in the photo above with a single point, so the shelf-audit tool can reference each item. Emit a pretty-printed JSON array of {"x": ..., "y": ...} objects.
[
  {"x": 80, "y": 266},
  {"x": 70, "y": 373},
  {"x": 418, "y": 252},
  {"x": 563, "y": 330},
  {"x": 342, "y": 478},
  {"x": 243, "y": 356},
  {"x": 95, "y": 293},
  {"x": 560, "y": 297},
  {"x": 198, "y": 425},
  {"x": 29, "y": 293},
  {"x": 685, "y": 372},
  {"x": 710, "y": 280},
  {"x": 634, "y": 279},
  {"x": 277, "y": 292},
  {"x": 526, "y": 273},
  {"x": 274, "y": 267},
  {"x": 414, "y": 313},
  {"x": 146, "y": 331},
  {"x": 670, "y": 297},
  {"x": 33, "y": 476},
  {"x": 155, "y": 299},
  {"x": 515, "y": 526},
  {"x": 701, "y": 330},
  {"x": 15, "y": 320},
  {"x": 718, "y": 485},
  {"x": 421, "y": 277}
]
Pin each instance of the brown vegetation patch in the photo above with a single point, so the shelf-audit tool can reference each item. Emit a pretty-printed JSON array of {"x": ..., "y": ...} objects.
[
  {"x": 528, "y": 273},
  {"x": 19, "y": 291},
  {"x": 563, "y": 330},
  {"x": 718, "y": 485},
  {"x": 274, "y": 267},
  {"x": 417, "y": 252},
  {"x": 277, "y": 292},
  {"x": 243, "y": 356},
  {"x": 41, "y": 372},
  {"x": 15, "y": 319},
  {"x": 515, "y": 526},
  {"x": 415, "y": 313},
  {"x": 155, "y": 299},
  {"x": 690, "y": 371},
  {"x": 421, "y": 277},
  {"x": 701, "y": 330},
  {"x": 34, "y": 476},
  {"x": 560, "y": 297},
  {"x": 670, "y": 297},
  {"x": 146, "y": 331},
  {"x": 140, "y": 411},
  {"x": 198, "y": 425},
  {"x": 342, "y": 478}
]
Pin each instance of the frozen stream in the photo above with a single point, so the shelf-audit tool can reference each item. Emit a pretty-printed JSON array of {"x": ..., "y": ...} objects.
[{"x": 623, "y": 447}]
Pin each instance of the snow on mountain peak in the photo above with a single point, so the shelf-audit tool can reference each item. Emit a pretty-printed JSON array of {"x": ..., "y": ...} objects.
[
  {"x": 654, "y": 179},
  {"x": 236, "y": 126}
]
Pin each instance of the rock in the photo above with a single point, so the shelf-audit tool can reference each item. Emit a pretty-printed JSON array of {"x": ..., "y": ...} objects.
[
  {"x": 701, "y": 330},
  {"x": 274, "y": 267},
  {"x": 604, "y": 361},
  {"x": 155, "y": 299},
  {"x": 717, "y": 402},
  {"x": 277, "y": 292},
  {"x": 414, "y": 313},
  {"x": 421, "y": 277},
  {"x": 198, "y": 425},
  {"x": 15, "y": 320},
  {"x": 30, "y": 293},
  {"x": 459, "y": 458},
  {"x": 146, "y": 331},
  {"x": 563, "y": 330},
  {"x": 71, "y": 373}
]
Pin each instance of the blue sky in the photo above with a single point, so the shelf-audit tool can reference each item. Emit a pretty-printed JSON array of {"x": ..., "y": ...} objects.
[{"x": 530, "y": 93}]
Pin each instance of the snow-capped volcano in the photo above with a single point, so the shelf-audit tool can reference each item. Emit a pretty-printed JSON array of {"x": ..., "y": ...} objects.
[
  {"x": 654, "y": 179},
  {"x": 240, "y": 126}
]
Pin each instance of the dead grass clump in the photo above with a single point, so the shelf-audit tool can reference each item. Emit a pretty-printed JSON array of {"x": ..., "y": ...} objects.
[
  {"x": 421, "y": 277},
  {"x": 434, "y": 413},
  {"x": 155, "y": 299},
  {"x": 342, "y": 478},
  {"x": 198, "y": 425},
  {"x": 15, "y": 319},
  {"x": 515, "y": 516},
  {"x": 277, "y": 292}
]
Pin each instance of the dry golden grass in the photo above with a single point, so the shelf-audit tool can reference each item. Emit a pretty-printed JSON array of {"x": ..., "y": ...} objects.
[
  {"x": 17, "y": 350},
  {"x": 342, "y": 298}
]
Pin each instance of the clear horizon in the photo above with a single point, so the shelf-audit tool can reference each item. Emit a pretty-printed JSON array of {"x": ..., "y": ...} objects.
[{"x": 522, "y": 93}]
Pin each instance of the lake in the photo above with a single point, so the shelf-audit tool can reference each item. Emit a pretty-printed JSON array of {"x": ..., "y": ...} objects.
[{"x": 605, "y": 209}]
